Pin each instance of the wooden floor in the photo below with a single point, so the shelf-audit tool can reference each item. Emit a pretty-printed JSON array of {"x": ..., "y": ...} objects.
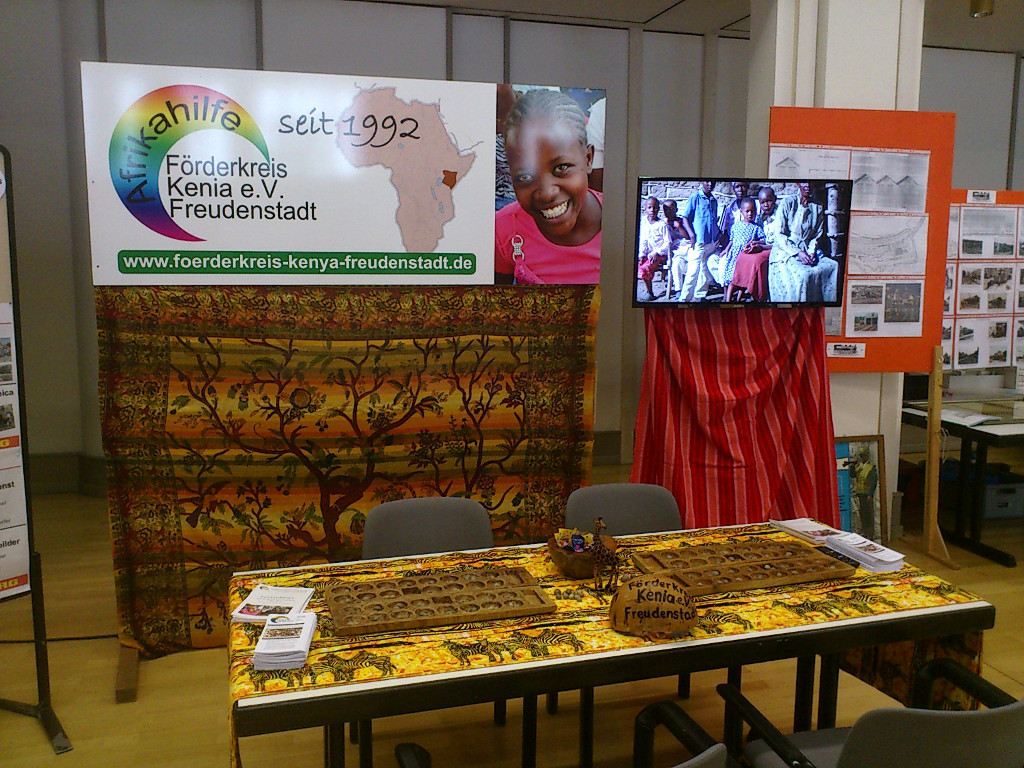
[{"x": 181, "y": 716}]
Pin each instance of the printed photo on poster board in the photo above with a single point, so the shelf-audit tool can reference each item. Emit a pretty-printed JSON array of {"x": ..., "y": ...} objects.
[
  {"x": 548, "y": 185},
  {"x": 860, "y": 470},
  {"x": 215, "y": 176}
]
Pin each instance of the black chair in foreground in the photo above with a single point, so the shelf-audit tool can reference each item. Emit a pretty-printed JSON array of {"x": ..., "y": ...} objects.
[
  {"x": 411, "y": 755},
  {"x": 707, "y": 753},
  {"x": 913, "y": 737},
  {"x": 420, "y": 526}
]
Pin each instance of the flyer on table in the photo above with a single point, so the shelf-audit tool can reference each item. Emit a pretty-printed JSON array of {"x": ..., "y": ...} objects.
[{"x": 214, "y": 176}]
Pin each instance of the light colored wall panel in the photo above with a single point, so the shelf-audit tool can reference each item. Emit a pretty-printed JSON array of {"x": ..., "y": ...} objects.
[
  {"x": 979, "y": 88},
  {"x": 550, "y": 54},
  {"x": 1018, "y": 147},
  {"x": 478, "y": 44},
  {"x": 186, "y": 32},
  {"x": 32, "y": 127},
  {"x": 670, "y": 116},
  {"x": 350, "y": 38},
  {"x": 731, "y": 108}
]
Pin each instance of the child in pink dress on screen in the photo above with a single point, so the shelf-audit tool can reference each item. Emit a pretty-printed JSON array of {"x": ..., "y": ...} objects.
[{"x": 552, "y": 233}]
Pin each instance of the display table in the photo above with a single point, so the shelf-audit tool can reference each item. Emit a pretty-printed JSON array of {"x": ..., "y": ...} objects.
[
  {"x": 360, "y": 678},
  {"x": 974, "y": 444}
]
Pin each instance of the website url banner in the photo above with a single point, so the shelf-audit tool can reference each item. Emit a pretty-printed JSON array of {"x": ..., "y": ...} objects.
[{"x": 292, "y": 263}]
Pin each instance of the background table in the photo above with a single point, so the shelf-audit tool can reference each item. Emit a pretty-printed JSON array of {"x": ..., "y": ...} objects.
[
  {"x": 394, "y": 673},
  {"x": 969, "y": 506}
]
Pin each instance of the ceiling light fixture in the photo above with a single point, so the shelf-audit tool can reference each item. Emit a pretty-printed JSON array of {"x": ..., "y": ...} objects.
[{"x": 981, "y": 8}]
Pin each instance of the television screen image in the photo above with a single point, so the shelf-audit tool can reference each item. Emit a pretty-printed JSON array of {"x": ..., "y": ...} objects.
[{"x": 741, "y": 242}]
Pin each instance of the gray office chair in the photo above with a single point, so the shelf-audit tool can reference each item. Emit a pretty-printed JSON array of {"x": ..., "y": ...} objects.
[
  {"x": 627, "y": 508},
  {"x": 424, "y": 526},
  {"x": 707, "y": 753},
  {"x": 421, "y": 526},
  {"x": 909, "y": 738}
]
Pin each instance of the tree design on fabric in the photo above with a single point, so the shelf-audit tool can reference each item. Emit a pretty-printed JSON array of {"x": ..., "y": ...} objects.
[{"x": 337, "y": 424}]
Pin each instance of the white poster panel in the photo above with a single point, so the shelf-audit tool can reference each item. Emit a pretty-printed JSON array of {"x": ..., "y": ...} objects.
[
  {"x": 14, "y": 543},
  {"x": 215, "y": 176}
]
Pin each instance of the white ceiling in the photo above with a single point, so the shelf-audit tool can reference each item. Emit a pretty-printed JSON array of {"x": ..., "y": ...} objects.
[{"x": 947, "y": 22}]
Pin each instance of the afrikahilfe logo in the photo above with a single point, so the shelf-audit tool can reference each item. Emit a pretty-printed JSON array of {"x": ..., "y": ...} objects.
[{"x": 147, "y": 131}]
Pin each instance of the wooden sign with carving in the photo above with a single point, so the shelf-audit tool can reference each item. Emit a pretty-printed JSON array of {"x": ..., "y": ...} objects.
[{"x": 657, "y": 605}]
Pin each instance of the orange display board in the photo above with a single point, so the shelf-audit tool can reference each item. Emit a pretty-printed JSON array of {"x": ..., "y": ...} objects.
[
  {"x": 901, "y": 164},
  {"x": 983, "y": 307}
]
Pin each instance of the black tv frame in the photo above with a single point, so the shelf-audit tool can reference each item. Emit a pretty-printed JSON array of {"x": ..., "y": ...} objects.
[{"x": 846, "y": 186}]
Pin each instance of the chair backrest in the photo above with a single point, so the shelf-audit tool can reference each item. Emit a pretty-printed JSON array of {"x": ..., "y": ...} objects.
[
  {"x": 626, "y": 508},
  {"x": 424, "y": 525},
  {"x": 924, "y": 738},
  {"x": 712, "y": 757}
]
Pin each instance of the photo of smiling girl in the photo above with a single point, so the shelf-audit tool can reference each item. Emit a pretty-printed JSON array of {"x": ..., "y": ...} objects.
[{"x": 552, "y": 233}]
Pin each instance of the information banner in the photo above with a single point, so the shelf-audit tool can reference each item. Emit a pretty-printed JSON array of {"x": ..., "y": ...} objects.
[
  {"x": 14, "y": 538},
  {"x": 214, "y": 176}
]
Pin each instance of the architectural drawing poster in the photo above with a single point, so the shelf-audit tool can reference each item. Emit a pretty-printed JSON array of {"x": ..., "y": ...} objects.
[
  {"x": 983, "y": 301},
  {"x": 901, "y": 167}
]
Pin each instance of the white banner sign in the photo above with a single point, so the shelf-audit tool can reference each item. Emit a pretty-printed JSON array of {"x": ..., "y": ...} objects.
[
  {"x": 14, "y": 546},
  {"x": 213, "y": 176}
]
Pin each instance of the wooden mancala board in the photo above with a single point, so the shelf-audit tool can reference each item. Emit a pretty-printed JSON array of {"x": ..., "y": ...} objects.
[
  {"x": 736, "y": 566},
  {"x": 434, "y": 600}
]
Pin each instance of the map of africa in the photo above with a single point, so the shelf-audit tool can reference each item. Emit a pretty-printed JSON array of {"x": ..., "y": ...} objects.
[{"x": 410, "y": 139}]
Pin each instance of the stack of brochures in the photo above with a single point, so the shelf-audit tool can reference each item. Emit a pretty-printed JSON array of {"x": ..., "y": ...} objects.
[
  {"x": 266, "y": 601},
  {"x": 867, "y": 554},
  {"x": 284, "y": 642},
  {"x": 805, "y": 528}
]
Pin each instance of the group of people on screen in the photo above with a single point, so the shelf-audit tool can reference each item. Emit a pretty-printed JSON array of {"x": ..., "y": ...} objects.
[{"x": 760, "y": 246}]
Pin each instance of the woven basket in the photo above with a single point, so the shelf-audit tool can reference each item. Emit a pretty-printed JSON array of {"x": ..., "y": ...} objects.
[{"x": 576, "y": 565}]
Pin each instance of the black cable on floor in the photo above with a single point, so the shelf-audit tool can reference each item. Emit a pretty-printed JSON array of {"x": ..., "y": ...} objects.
[{"x": 58, "y": 639}]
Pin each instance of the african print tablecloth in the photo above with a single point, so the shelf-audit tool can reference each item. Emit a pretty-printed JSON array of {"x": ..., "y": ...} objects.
[
  {"x": 254, "y": 427},
  {"x": 581, "y": 624}
]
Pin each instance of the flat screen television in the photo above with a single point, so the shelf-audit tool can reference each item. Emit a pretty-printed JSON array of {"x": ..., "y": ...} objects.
[{"x": 714, "y": 242}]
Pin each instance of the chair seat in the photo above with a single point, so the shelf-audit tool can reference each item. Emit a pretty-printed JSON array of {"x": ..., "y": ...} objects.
[
  {"x": 712, "y": 757},
  {"x": 822, "y": 747}
]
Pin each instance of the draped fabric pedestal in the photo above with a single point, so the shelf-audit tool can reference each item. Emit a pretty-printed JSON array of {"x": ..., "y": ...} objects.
[{"x": 735, "y": 417}]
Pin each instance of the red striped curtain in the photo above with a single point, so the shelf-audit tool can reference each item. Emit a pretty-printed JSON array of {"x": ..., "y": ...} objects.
[{"x": 735, "y": 417}]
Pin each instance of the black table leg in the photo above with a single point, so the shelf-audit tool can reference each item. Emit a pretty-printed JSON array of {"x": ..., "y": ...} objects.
[
  {"x": 365, "y": 744},
  {"x": 733, "y": 729},
  {"x": 977, "y": 508},
  {"x": 966, "y": 466},
  {"x": 970, "y": 508},
  {"x": 529, "y": 757},
  {"x": 828, "y": 691},
  {"x": 334, "y": 746},
  {"x": 804, "y": 704},
  {"x": 586, "y": 727}
]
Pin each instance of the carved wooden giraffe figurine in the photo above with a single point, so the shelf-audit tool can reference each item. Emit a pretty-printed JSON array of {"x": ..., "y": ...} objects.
[{"x": 604, "y": 559}]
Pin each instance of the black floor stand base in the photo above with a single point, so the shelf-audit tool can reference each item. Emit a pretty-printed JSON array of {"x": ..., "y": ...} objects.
[{"x": 45, "y": 715}]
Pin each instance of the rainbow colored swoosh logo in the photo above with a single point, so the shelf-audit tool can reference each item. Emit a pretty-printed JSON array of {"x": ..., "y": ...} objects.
[{"x": 147, "y": 131}]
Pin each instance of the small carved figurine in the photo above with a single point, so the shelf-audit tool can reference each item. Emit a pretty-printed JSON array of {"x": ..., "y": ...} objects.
[{"x": 604, "y": 559}]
